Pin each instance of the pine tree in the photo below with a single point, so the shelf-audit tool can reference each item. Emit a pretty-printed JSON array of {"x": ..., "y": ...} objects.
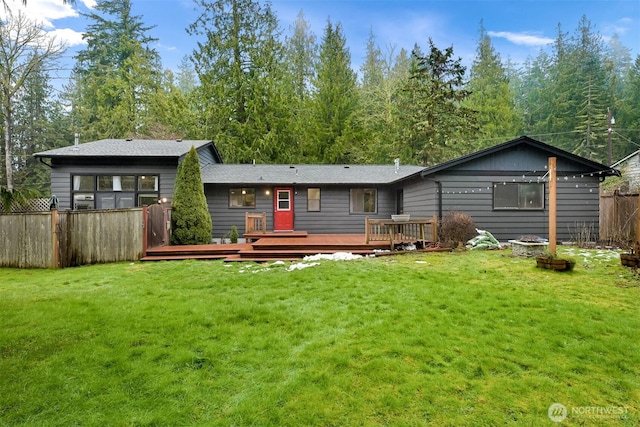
[
  {"x": 116, "y": 75},
  {"x": 240, "y": 73},
  {"x": 491, "y": 96},
  {"x": 190, "y": 219},
  {"x": 333, "y": 127},
  {"x": 437, "y": 125},
  {"x": 628, "y": 118}
]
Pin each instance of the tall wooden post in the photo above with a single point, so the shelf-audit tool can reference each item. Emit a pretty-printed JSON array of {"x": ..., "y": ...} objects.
[
  {"x": 552, "y": 205},
  {"x": 55, "y": 240},
  {"x": 145, "y": 225}
]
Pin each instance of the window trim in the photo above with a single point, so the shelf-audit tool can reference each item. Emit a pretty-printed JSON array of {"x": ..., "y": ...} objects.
[
  {"x": 519, "y": 185},
  {"x": 319, "y": 200}
]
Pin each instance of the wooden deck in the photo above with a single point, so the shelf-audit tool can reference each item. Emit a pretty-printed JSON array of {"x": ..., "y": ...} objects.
[{"x": 270, "y": 247}]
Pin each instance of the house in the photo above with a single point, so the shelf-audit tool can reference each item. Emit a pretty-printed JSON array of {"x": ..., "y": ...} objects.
[
  {"x": 630, "y": 167},
  {"x": 119, "y": 173},
  {"x": 503, "y": 188}
]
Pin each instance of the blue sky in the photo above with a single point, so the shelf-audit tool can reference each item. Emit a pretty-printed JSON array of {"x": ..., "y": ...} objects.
[{"x": 519, "y": 28}]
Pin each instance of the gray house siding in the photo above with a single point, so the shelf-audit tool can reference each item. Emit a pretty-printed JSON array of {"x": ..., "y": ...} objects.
[
  {"x": 420, "y": 198},
  {"x": 577, "y": 205},
  {"x": 334, "y": 216},
  {"x": 61, "y": 178}
]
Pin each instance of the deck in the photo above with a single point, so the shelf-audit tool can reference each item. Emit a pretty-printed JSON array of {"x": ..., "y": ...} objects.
[{"x": 271, "y": 246}]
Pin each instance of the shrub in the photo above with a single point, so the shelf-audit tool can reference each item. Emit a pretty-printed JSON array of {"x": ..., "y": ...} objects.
[
  {"x": 190, "y": 219},
  {"x": 457, "y": 228},
  {"x": 233, "y": 234}
]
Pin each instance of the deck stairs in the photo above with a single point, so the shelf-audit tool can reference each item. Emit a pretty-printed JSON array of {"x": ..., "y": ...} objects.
[{"x": 265, "y": 247}]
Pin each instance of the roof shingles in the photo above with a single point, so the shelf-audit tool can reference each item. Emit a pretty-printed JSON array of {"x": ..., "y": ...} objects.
[
  {"x": 126, "y": 148},
  {"x": 306, "y": 174}
]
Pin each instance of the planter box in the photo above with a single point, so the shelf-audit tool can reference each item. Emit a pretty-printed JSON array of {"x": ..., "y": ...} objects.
[
  {"x": 630, "y": 260},
  {"x": 553, "y": 264},
  {"x": 526, "y": 249}
]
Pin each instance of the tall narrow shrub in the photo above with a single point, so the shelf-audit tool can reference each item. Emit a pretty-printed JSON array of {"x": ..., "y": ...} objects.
[{"x": 190, "y": 219}]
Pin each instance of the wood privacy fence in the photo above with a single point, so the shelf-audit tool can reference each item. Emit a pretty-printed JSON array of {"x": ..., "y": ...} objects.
[
  {"x": 618, "y": 217},
  {"x": 71, "y": 238}
]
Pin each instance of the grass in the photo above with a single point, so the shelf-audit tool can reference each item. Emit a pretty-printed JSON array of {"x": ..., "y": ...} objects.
[{"x": 473, "y": 338}]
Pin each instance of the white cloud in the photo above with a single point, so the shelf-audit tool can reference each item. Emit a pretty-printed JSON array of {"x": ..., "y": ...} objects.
[
  {"x": 45, "y": 13},
  {"x": 523, "y": 39},
  {"x": 68, "y": 36},
  {"x": 41, "y": 11}
]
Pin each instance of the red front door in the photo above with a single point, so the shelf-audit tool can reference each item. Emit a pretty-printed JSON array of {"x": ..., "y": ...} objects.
[{"x": 283, "y": 209}]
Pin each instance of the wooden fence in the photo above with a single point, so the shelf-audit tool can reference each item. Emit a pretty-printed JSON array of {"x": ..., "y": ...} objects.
[
  {"x": 71, "y": 238},
  {"x": 618, "y": 217}
]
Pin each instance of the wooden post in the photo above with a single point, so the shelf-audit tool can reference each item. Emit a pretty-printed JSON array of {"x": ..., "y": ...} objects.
[
  {"x": 55, "y": 240},
  {"x": 552, "y": 205},
  {"x": 145, "y": 224},
  {"x": 366, "y": 229}
]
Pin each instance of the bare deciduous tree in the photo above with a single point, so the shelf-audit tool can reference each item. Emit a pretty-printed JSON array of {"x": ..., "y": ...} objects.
[{"x": 24, "y": 48}]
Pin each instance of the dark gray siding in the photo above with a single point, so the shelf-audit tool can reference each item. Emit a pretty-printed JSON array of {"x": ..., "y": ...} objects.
[
  {"x": 61, "y": 178},
  {"x": 333, "y": 218},
  {"x": 205, "y": 156},
  {"x": 577, "y": 205},
  {"x": 420, "y": 198}
]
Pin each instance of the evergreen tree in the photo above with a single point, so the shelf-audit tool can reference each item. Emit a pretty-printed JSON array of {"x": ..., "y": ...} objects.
[
  {"x": 491, "y": 96},
  {"x": 534, "y": 95},
  {"x": 190, "y": 219},
  {"x": 628, "y": 117},
  {"x": 300, "y": 60},
  {"x": 40, "y": 124},
  {"x": 334, "y": 105},
  {"x": 116, "y": 75},
  {"x": 241, "y": 93},
  {"x": 437, "y": 125}
]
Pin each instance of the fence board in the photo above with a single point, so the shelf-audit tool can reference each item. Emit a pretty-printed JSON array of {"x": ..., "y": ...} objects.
[
  {"x": 618, "y": 217},
  {"x": 86, "y": 237},
  {"x": 102, "y": 236}
]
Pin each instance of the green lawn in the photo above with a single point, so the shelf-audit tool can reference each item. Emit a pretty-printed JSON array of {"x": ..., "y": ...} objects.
[{"x": 472, "y": 338}]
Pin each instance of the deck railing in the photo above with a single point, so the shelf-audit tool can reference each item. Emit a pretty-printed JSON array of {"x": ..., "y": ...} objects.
[
  {"x": 395, "y": 232},
  {"x": 255, "y": 223}
]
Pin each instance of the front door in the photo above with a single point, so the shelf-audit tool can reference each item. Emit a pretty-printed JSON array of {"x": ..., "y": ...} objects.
[{"x": 283, "y": 209}]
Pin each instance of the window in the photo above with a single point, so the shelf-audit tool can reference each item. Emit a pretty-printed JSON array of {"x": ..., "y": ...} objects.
[
  {"x": 518, "y": 196},
  {"x": 242, "y": 198},
  {"x": 114, "y": 191},
  {"x": 363, "y": 200},
  {"x": 313, "y": 199}
]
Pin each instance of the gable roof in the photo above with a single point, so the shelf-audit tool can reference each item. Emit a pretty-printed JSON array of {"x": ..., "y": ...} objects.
[
  {"x": 623, "y": 160},
  {"x": 524, "y": 140},
  {"x": 306, "y": 174},
  {"x": 129, "y": 148}
]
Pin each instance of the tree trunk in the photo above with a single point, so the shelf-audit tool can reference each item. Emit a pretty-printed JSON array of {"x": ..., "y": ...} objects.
[{"x": 7, "y": 148}]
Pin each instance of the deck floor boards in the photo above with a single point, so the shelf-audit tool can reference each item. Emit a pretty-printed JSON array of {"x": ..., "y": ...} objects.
[{"x": 270, "y": 248}]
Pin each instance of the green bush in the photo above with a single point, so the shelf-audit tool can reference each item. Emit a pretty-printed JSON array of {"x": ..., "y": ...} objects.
[
  {"x": 233, "y": 234},
  {"x": 190, "y": 220}
]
